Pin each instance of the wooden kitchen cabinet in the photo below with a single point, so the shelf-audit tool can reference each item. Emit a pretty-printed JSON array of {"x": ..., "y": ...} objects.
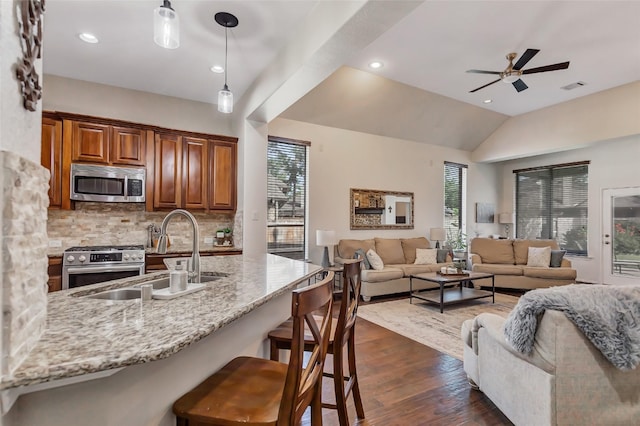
[
  {"x": 155, "y": 262},
  {"x": 90, "y": 142},
  {"x": 222, "y": 175},
  {"x": 55, "y": 274},
  {"x": 127, "y": 146},
  {"x": 181, "y": 172},
  {"x": 106, "y": 144},
  {"x": 51, "y": 158},
  {"x": 167, "y": 185},
  {"x": 195, "y": 152}
]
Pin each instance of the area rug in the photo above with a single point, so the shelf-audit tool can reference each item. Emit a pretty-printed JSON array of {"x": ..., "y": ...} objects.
[{"x": 423, "y": 322}]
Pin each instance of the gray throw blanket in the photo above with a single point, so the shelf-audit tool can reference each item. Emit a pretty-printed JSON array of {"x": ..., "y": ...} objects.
[{"x": 609, "y": 316}]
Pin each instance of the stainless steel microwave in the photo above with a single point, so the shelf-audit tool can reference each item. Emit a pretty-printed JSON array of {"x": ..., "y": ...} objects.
[{"x": 107, "y": 184}]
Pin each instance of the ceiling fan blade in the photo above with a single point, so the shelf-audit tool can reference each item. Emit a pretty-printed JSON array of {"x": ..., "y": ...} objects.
[
  {"x": 484, "y": 72},
  {"x": 519, "y": 85},
  {"x": 526, "y": 57},
  {"x": 482, "y": 87},
  {"x": 554, "y": 67}
]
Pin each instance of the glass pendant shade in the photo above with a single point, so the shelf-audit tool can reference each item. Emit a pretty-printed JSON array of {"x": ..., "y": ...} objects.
[
  {"x": 225, "y": 100},
  {"x": 166, "y": 26}
]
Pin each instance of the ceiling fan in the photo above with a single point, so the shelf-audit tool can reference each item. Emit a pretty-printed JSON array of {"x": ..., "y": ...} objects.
[{"x": 513, "y": 72}]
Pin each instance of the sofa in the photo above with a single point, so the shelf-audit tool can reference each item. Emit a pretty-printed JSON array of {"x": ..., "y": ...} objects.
[
  {"x": 565, "y": 380},
  {"x": 507, "y": 259},
  {"x": 398, "y": 256}
]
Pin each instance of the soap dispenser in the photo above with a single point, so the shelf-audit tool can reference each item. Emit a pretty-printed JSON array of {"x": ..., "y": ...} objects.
[{"x": 178, "y": 278}]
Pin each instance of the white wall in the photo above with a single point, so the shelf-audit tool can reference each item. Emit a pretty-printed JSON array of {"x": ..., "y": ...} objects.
[
  {"x": 341, "y": 159},
  {"x": 614, "y": 164},
  {"x": 83, "y": 97}
]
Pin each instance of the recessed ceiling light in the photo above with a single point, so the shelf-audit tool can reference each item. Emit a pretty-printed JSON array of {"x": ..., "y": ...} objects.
[
  {"x": 487, "y": 101},
  {"x": 375, "y": 65},
  {"x": 88, "y": 38},
  {"x": 217, "y": 69}
]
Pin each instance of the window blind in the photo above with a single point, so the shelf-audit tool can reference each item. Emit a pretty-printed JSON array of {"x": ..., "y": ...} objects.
[
  {"x": 454, "y": 185},
  {"x": 286, "y": 197},
  {"x": 552, "y": 203}
]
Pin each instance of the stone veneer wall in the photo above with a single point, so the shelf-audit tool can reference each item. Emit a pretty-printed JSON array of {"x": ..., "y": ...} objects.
[
  {"x": 126, "y": 223},
  {"x": 24, "y": 186}
]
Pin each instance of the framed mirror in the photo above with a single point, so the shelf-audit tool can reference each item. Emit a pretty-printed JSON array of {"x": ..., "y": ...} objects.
[{"x": 375, "y": 209}]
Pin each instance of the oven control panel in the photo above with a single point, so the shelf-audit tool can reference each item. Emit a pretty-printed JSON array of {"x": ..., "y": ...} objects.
[{"x": 111, "y": 257}]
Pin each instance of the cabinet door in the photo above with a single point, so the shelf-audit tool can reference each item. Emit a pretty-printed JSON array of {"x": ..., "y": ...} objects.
[
  {"x": 128, "y": 146},
  {"x": 194, "y": 182},
  {"x": 168, "y": 171},
  {"x": 90, "y": 142},
  {"x": 51, "y": 158},
  {"x": 55, "y": 274},
  {"x": 222, "y": 175}
]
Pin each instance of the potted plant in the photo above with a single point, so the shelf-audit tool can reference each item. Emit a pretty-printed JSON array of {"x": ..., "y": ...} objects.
[
  {"x": 227, "y": 237},
  {"x": 457, "y": 242}
]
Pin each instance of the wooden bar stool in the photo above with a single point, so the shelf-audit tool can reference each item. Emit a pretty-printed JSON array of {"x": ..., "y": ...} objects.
[
  {"x": 342, "y": 333},
  {"x": 255, "y": 391}
]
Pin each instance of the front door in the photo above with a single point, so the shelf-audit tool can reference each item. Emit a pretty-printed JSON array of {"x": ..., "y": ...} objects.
[{"x": 621, "y": 236}]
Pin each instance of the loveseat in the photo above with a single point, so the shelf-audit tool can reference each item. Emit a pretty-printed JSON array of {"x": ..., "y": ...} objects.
[
  {"x": 564, "y": 380},
  {"x": 398, "y": 256},
  {"x": 507, "y": 259}
]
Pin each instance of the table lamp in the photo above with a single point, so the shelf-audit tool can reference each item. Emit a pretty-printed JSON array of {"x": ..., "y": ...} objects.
[
  {"x": 326, "y": 239},
  {"x": 506, "y": 219},
  {"x": 437, "y": 235}
]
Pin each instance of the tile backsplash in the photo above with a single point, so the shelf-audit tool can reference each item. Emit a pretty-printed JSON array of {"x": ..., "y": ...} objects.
[{"x": 126, "y": 223}]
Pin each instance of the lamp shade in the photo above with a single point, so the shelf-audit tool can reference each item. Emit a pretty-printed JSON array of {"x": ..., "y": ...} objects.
[
  {"x": 166, "y": 26},
  {"x": 505, "y": 218},
  {"x": 325, "y": 238},
  {"x": 225, "y": 100},
  {"x": 437, "y": 234}
]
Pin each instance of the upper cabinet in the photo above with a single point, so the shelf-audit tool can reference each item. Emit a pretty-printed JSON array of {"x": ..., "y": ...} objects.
[
  {"x": 193, "y": 171},
  {"x": 222, "y": 175},
  {"x": 51, "y": 158},
  {"x": 105, "y": 144}
]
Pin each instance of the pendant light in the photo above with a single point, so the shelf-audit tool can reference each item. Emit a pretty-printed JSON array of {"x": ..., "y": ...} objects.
[
  {"x": 225, "y": 97},
  {"x": 166, "y": 26}
]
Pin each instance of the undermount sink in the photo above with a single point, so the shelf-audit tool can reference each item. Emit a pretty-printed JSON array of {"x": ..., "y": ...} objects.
[
  {"x": 161, "y": 283},
  {"x": 118, "y": 294}
]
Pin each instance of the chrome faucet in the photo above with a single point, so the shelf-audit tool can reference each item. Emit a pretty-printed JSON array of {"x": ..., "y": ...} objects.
[{"x": 194, "y": 273}]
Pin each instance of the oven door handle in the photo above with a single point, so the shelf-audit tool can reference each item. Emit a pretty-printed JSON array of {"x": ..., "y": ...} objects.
[{"x": 94, "y": 269}]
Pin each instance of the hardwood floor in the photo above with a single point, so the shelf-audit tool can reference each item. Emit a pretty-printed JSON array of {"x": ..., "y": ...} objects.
[{"x": 406, "y": 383}]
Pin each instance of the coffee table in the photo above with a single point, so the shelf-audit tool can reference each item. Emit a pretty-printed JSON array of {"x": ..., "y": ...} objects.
[{"x": 452, "y": 288}]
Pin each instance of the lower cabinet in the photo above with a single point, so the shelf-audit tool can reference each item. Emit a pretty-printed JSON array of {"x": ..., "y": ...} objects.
[
  {"x": 155, "y": 262},
  {"x": 55, "y": 274}
]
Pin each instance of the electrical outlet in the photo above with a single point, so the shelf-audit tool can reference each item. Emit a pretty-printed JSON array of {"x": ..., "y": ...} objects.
[
  {"x": 208, "y": 240},
  {"x": 55, "y": 243}
]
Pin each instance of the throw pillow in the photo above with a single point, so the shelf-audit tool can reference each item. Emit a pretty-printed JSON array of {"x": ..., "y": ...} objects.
[
  {"x": 442, "y": 255},
  {"x": 539, "y": 256},
  {"x": 360, "y": 254},
  {"x": 426, "y": 256},
  {"x": 556, "y": 258},
  {"x": 374, "y": 260}
]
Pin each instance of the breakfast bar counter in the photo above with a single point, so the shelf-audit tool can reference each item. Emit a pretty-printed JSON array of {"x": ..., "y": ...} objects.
[{"x": 189, "y": 337}]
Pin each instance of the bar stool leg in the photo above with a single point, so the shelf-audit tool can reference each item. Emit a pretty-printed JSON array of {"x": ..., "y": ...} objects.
[
  {"x": 355, "y": 390},
  {"x": 338, "y": 384}
]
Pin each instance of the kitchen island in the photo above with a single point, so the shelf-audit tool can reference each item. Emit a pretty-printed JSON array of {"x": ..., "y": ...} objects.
[{"x": 124, "y": 362}]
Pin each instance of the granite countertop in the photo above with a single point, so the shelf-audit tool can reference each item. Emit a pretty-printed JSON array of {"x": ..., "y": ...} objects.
[{"x": 91, "y": 335}]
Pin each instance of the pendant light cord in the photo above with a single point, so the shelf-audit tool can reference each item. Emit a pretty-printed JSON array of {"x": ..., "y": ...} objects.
[{"x": 225, "y": 57}]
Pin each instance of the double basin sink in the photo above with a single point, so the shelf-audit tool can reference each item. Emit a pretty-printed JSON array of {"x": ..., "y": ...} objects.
[{"x": 135, "y": 292}]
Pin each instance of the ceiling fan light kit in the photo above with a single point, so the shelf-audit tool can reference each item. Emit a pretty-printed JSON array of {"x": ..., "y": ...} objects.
[
  {"x": 166, "y": 26},
  {"x": 512, "y": 73},
  {"x": 225, "y": 97}
]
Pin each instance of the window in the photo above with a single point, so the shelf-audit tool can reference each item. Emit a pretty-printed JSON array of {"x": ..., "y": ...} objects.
[
  {"x": 551, "y": 203},
  {"x": 287, "y": 197},
  {"x": 455, "y": 188}
]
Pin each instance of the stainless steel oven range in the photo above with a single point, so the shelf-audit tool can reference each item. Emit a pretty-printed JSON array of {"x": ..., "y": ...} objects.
[{"x": 95, "y": 264}]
